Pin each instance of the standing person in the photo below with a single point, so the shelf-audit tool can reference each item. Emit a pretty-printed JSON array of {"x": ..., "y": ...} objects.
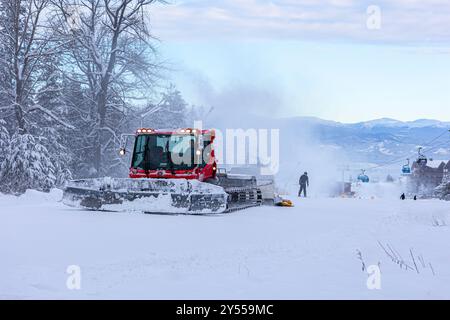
[
  {"x": 304, "y": 182},
  {"x": 403, "y": 197}
]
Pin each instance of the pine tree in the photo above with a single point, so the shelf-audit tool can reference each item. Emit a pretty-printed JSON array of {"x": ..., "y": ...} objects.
[
  {"x": 27, "y": 166},
  {"x": 54, "y": 135},
  {"x": 59, "y": 154},
  {"x": 4, "y": 140},
  {"x": 172, "y": 112}
]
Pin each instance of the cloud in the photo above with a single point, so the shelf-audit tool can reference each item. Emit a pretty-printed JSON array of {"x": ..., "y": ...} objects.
[{"x": 402, "y": 21}]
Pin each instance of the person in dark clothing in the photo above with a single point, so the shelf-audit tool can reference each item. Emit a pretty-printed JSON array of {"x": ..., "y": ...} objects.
[
  {"x": 304, "y": 182},
  {"x": 415, "y": 198},
  {"x": 403, "y": 197}
]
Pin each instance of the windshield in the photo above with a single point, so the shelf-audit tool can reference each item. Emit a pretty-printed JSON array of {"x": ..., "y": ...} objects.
[{"x": 166, "y": 152}]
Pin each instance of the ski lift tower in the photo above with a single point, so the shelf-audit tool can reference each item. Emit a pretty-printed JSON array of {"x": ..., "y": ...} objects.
[{"x": 343, "y": 169}]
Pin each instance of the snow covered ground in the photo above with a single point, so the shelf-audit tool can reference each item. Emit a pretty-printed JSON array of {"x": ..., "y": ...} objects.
[{"x": 315, "y": 250}]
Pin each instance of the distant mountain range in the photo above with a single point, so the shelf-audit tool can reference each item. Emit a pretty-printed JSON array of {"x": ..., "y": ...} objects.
[
  {"x": 377, "y": 141},
  {"x": 380, "y": 140},
  {"x": 383, "y": 122},
  {"x": 387, "y": 122}
]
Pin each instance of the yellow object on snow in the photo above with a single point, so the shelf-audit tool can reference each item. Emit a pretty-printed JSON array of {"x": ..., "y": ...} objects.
[{"x": 285, "y": 203}]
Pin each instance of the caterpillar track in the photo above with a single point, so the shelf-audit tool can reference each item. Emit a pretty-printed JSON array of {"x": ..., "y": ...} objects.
[{"x": 223, "y": 194}]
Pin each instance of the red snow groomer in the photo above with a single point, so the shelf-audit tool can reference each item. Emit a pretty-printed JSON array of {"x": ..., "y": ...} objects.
[
  {"x": 172, "y": 171},
  {"x": 179, "y": 154}
]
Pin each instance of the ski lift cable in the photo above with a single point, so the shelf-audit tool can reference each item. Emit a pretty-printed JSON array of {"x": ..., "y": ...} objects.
[
  {"x": 428, "y": 144},
  {"x": 443, "y": 143},
  {"x": 412, "y": 154},
  {"x": 397, "y": 160},
  {"x": 431, "y": 141}
]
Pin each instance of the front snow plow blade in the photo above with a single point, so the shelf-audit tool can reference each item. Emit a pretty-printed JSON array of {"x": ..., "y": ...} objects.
[{"x": 166, "y": 196}]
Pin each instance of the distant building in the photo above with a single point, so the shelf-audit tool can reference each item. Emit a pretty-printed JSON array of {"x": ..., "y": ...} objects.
[
  {"x": 443, "y": 190},
  {"x": 426, "y": 177}
]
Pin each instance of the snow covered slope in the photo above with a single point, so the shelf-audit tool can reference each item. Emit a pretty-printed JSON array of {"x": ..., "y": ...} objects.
[{"x": 315, "y": 250}]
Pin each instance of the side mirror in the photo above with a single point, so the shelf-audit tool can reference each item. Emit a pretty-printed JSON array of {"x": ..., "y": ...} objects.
[{"x": 122, "y": 151}]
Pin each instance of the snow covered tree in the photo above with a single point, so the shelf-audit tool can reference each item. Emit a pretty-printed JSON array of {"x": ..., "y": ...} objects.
[
  {"x": 27, "y": 166},
  {"x": 30, "y": 102},
  {"x": 108, "y": 53},
  {"x": 171, "y": 112},
  {"x": 73, "y": 75},
  {"x": 56, "y": 135},
  {"x": 78, "y": 142},
  {"x": 26, "y": 45},
  {"x": 59, "y": 154},
  {"x": 4, "y": 140}
]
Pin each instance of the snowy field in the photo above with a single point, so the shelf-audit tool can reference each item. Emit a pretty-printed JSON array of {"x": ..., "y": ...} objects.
[{"x": 315, "y": 250}]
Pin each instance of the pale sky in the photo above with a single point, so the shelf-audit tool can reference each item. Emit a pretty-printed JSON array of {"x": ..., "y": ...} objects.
[{"x": 310, "y": 58}]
